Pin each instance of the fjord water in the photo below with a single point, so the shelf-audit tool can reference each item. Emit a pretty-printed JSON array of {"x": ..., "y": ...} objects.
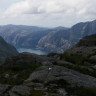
[{"x": 36, "y": 51}]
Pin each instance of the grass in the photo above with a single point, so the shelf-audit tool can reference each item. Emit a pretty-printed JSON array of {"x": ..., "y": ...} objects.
[
  {"x": 79, "y": 63},
  {"x": 36, "y": 93},
  {"x": 76, "y": 59},
  {"x": 78, "y": 68},
  {"x": 72, "y": 90},
  {"x": 81, "y": 91},
  {"x": 16, "y": 74}
]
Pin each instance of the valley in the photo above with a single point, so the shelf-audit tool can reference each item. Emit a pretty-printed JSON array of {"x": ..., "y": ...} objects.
[{"x": 46, "y": 39}]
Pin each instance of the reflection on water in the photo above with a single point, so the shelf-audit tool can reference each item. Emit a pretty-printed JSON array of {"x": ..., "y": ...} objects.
[{"x": 36, "y": 51}]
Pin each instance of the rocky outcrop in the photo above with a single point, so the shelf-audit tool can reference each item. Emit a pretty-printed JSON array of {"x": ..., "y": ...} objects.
[
  {"x": 25, "y": 59},
  {"x": 3, "y": 88},
  {"x": 86, "y": 46},
  {"x": 20, "y": 90}
]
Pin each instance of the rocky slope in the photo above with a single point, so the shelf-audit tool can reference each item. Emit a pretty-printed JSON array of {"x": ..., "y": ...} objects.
[
  {"x": 56, "y": 41},
  {"x": 29, "y": 74},
  {"x": 6, "y": 49},
  {"x": 86, "y": 46},
  {"x": 66, "y": 74},
  {"x": 66, "y": 38}
]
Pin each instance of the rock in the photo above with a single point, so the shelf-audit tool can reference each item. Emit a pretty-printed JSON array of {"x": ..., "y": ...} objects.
[
  {"x": 24, "y": 59},
  {"x": 85, "y": 47},
  {"x": 39, "y": 75},
  {"x": 47, "y": 63},
  {"x": 3, "y": 88},
  {"x": 36, "y": 85},
  {"x": 64, "y": 62},
  {"x": 62, "y": 92},
  {"x": 20, "y": 90},
  {"x": 6, "y": 75},
  {"x": 93, "y": 57},
  {"x": 52, "y": 94},
  {"x": 12, "y": 94},
  {"x": 61, "y": 73},
  {"x": 94, "y": 67},
  {"x": 81, "y": 50}
]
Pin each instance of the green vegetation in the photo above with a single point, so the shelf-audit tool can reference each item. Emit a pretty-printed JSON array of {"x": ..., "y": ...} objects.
[
  {"x": 36, "y": 92},
  {"x": 52, "y": 54},
  {"x": 79, "y": 63},
  {"x": 77, "y": 59},
  {"x": 71, "y": 90},
  {"x": 1, "y": 60},
  {"x": 16, "y": 75},
  {"x": 81, "y": 91}
]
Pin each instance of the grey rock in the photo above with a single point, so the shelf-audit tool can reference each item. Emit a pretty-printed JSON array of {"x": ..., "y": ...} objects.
[
  {"x": 3, "y": 88},
  {"x": 85, "y": 47},
  {"x": 62, "y": 92},
  {"x": 43, "y": 74},
  {"x": 12, "y": 94},
  {"x": 85, "y": 51},
  {"x": 24, "y": 59},
  {"x": 6, "y": 75},
  {"x": 93, "y": 57},
  {"x": 64, "y": 62},
  {"x": 40, "y": 74},
  {"x": 47, "y": 63},
  {"x": 94, "y": 67},
  {"x": 20, "y": 90}
]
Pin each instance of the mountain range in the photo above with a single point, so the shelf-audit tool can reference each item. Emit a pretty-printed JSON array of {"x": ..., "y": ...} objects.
[
  {"x": 60, "y": 40},
  {"x": 49, "y": 39}
]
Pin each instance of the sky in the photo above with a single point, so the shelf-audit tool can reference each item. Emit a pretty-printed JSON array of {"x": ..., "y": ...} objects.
[{"x": 47, "y": 13}]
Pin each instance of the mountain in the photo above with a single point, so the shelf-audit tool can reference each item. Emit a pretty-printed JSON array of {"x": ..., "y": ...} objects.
[
  {"x": 6, "y": 49},
  {"x": 52, "y": 40},
  {"x": 23, "y": 36},
  {"x": 25, "y": 27},
  {"x": 60, "y": 27},
  {"x": 58, "y": 41}
]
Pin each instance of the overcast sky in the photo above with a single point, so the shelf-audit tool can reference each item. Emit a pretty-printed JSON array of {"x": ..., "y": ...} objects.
[{"x": 48, "y": 13}]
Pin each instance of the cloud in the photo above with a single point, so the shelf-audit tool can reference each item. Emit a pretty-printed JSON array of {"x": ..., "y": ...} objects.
[
  {"x": 51, "y": 9},
  {"x": 67, "y": 7}
]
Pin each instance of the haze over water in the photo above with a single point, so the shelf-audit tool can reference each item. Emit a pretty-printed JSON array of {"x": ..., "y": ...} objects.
[{"x": 36, "y": 51}]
